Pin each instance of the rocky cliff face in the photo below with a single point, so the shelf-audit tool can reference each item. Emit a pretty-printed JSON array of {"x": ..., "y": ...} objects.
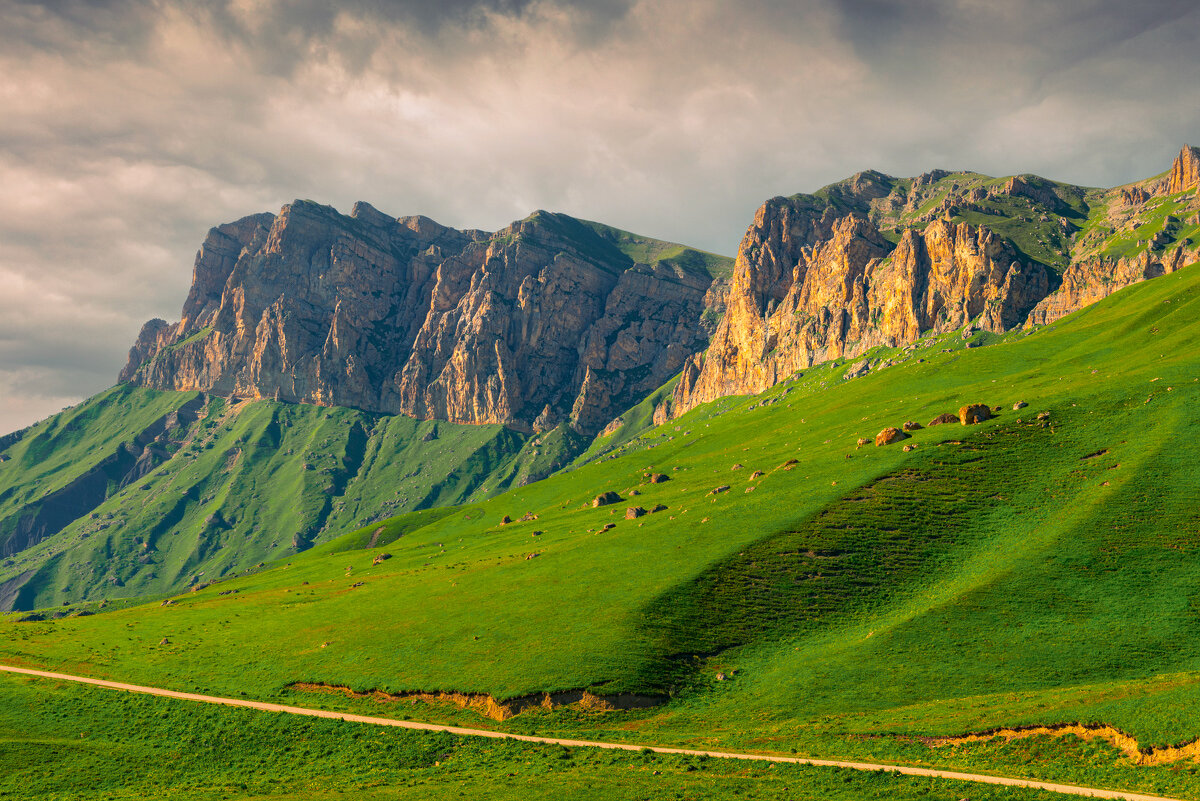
[
  {"x": 1150, "y": 229},
  {"x": 810, "y": 288},
  {"x": 1093, "y": 279},
  {"x": 879, "y": 261},
  {"x": 546, "y": 321},
  {"x": 1185, "y": 172}
]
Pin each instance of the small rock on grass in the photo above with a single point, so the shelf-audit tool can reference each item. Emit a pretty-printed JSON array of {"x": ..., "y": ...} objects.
[
  {"x": 974, "y": 413},
  {"x": 604, "y": 499},
  {"x": 889, "y": 435}
]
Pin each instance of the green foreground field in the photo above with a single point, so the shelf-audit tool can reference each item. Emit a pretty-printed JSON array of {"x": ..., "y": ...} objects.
[
  {"x": 847, "y": 602},
  {"x": 62, "y": 741}
]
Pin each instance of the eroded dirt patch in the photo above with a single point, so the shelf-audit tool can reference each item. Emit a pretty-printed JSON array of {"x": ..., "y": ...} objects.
[
  {"x": 1126, "y": 743},
  {"x": 488, "y": 706}
]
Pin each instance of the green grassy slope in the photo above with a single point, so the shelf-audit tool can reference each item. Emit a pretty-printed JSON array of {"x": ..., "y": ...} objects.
[
  {"x": 652, "y": 252},
  {"x": 1017, "y": 571},
  {"x": 75, "y": 458},
  {"x": 104, "y": 745},
  {"x": 236, "y": 486}
]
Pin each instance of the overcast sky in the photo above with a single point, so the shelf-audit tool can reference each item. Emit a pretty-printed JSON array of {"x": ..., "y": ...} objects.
[{"x": 127, "y": 129}]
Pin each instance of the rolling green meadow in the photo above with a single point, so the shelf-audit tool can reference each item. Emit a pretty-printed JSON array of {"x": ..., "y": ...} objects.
[
  {"x": 796, "y": 593},
  {"x": 61, "y": 741}
]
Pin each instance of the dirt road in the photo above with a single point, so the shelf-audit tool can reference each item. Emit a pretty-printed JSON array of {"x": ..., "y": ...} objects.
[{"x": 405, "y": 724}]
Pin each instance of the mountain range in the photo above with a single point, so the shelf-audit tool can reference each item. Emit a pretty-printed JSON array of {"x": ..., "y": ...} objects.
[
  {"x": 911, "y": 482},
  {"x": 331, "y": 370}
]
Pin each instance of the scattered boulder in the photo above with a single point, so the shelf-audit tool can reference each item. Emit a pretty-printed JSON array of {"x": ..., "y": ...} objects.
[
  {"x": 889, "y": 435},
  {"x": 659, "y": 508},
  {"x": 942, "y": 419},
  {"x": 1043, "y": 415},
  {"x": 974, "y": 413},
  {"x": 789, "y": 464},
  {"x": 737, "y": 467},
  {"x": 529, "y": 517},
  {"x": 657, "y": 478},
  {"x": 912, "y": 425},
  {"x": 719, "y": 490},
  {"x": 164, "y": 641},
  {"x": 504, "y": 521},
  {"x": 863, "y": 441},
  {"x": 380, "y": 558},
  {"x": 604, "y": 499},
  {"x": 857, "y": 369},
  {"x": 756, "y": 474},
  {"x": 634, "y": 512},
  {"x": 1019, "y": 405},
  {"x": 909, "y": 447}
]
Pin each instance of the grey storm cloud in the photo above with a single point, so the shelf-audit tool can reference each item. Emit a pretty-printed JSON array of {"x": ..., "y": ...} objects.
[{"x": 128, "y": 129}]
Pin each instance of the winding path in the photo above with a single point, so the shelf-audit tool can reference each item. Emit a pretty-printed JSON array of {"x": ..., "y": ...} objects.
[{"x": 406, "y": 724}]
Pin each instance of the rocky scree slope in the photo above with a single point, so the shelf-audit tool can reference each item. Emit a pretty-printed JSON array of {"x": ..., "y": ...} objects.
[
  {"x": 881, "y": 261},
  {"x": 547, "y": 321}
]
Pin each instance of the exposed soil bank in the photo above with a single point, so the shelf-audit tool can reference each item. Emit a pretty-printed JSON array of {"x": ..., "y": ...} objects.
[
  {"x": 488, "y": 706},
  {"x": 1087, "y": 731}
]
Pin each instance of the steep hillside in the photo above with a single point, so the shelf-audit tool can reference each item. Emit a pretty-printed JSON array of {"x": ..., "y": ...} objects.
[
  {"x": 550, "y": 320},
  {"x": 880, "y": 261},
  {"x": 140, "y": 492},
  {"x": 773, "y": 582}
]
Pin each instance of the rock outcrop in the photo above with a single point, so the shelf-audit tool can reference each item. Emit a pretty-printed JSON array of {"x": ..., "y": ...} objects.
[
  {"x": 1185, "y": 172},
  {"x": 545, "y": 322},
  {"x": 1093, "y": 276},
  {"x": 878, "y": 261},
  {"x": 974, "y": 413},
  {"x": 1093, "y": 279},
  {"x": 809, "y": 286}
]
